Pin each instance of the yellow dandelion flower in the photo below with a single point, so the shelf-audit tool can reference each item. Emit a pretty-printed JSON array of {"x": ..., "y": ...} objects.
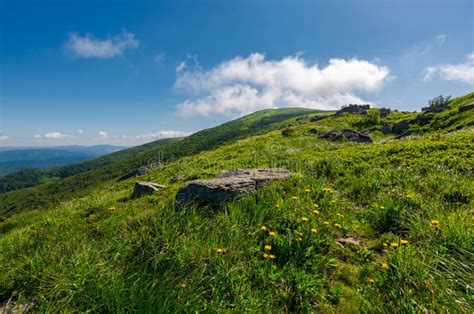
[
  {"x": 340, "y": 215},
  {"x": 394, "y": 244},
  {"x": 338, "y": 226},
  {"x": 384, "y": 266},
  {"x": 265, "y": 255},
  {"x": 385, "y": 245},
  {"x": 304, "y": 219},
  {"x": 404, "y": 242},
  {"x": 371, "y": 281},
  {"x": 267, "y": 247},
  {"x": 277, "y": 206},
  {"x": 220, "y": 250},
  {"x": 307, "y": 190},
  {"x": 271, "y": 256},
  {"x": 299, "y": 239},
  {"x": 326, "y": 222},
  {"x": 272, "y": 234},
  {"x": 313, "y": 230},
  {"x": 111, "y": 209},
  {"x": 316, "y": 212},
  {"x": 315, "y": 205},
  {"x": 263, "y": 228},
  {"x": 382, "y": 207},
  {"x": 435, "y": 223},
  {"x": 294, "y": 198}
]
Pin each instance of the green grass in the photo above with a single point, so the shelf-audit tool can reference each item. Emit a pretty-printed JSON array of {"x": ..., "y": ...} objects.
[
  {"x": 80, "y": 179},
  {"x": 108, "y": 252}
]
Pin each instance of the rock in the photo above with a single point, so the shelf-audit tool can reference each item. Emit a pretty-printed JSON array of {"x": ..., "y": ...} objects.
[
  {"x": 228, "y": 186},
  {"x": 350, "y": 135},
  {"x": 140, "y": 171},
  {"x": 401, "y": 127},
  {"x": 176, "y": 179},
  {"x": 13, "y": 308},
  {"x": 313, "y": 131},
  {"x": 466, "y": 107},
  {"x": 349, "y": 240},
  {"x": 384, "y": 112},
  {"x": 386, "y": 128},
  {"x": 144, "y": 188},
  {"x": 318, "y": 118},
  {"x": 355, "y": 109}
]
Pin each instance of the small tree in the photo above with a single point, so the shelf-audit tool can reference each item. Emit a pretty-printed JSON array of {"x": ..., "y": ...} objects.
[{"x": 437, "y": 104}]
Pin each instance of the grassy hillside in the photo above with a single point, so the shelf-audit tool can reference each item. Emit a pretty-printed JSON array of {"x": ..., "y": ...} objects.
[
  {"x": 79, "y": 179},
  {"x": 409, "y": 202}
]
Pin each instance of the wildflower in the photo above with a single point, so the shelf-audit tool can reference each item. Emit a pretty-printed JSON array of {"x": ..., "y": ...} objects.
[
  {"x": 316, "y": 212},
  {"x": 277, "y": 206},
  {"x": 338, "y": 226},
  {"x": 265, "y": 255},
  {"x": 326, "y": 222},
  {"x": 267, "y": 248},
  {"x": 271, "y": 256},
  {"x": 220, "y": 250},
  {"x": 371, "y": 281},
  {"x": 384, "y": 266},
  {"x": 299, "y": 239},
  {"x": 304, "y": 219},
  {"x": 263, "y": 228},
  {"x": 435, "y": 224},
  {"x": 327, "y": 190},
  {"x": 385, "y": 245},
  {"x": 394, "y": 244},
  {"x": 404, "y": 242},
  {"x": 333, "y": 202},
  {"x": 307, "y": 190},
  {"x": 340, "y": 215},
  {"x": 111, "y": 209},
  {"x": 382, "y": 207},
  {"x": 313, "y": 230},
  {"x": 294, "y": 198},
  {"x": 272, "y": 234},
  {"x": 315, "y": 205}
]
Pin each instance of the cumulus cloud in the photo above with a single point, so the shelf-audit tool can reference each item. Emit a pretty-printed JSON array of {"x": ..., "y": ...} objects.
[
  {"x": 3, "y": 137},
  {"x": 103, "y": 135},
  {"x": 53, "y": 136},
  {"x": 461, "y": 72},
  {"x": 242, "y": 85},
  {"x": 159, "y": 58},
  {"x": 89, "y": 47}
]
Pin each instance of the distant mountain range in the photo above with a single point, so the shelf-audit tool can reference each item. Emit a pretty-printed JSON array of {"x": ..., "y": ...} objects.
[{"x": 17, "y": 158}]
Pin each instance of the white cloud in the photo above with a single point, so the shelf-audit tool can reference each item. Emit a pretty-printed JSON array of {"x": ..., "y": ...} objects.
[
  {"x": 162, "y": 134},
  {"x": 159, "y": 58},
  {"x": 103, "y": 135},
  {"x": 53, "y": 136},
  {"x": 440, "y": 39},
  {"x": 3, "y": 137},
  {"x": 89, "y": 47},
  {"x": 242, "y": 85},
  {"x": 461, "y": 72}
]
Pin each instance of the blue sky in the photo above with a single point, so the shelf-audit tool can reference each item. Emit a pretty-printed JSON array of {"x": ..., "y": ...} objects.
[{"x": 119, "y": 72}]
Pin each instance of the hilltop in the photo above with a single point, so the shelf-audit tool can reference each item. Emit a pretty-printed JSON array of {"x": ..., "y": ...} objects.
[{"x": 378, "y": 226}]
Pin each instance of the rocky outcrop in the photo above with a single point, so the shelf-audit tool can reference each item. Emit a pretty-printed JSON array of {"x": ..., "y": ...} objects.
[
  {"x": 318, "y": 118},
  {"x": 228, "y": 186},
  {"x": 313, "y": 131},
  {"x": 355, "y": 109},
  {"x": 401, "y": 127},
  {"x": 466, "y": 107},
  {"x": 350, "y": 135},
  {"x": 176, "y": 179},
  {"x": 146, "y": 188},
  {"x": 384, "y": 112},
  {"x": 386, "y": 128},
  {"x": 140, "y": 171}
]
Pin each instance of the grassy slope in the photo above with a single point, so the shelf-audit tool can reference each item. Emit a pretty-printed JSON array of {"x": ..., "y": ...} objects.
[
  {"x": 80, "y": 179},
  {"x": 106, "y": 252}
]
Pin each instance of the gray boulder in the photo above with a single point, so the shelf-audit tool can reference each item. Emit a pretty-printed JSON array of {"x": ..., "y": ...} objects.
[
  {"x": 313, "y": 131},
  {"x": 354, "y": 109},
  {"x": 401, "y": 127},
  {"x": 146, "y": 188},
  {"x": 350, "y": 135},
  {"x": 176, "y": 179},
  {"x": 384, "y": 112},
  {"x": 466, "y": 107},
  {"x": 140, "y": 171},
  {"x": 386, "y": 128},
  {"x": 229, "y": 185}
]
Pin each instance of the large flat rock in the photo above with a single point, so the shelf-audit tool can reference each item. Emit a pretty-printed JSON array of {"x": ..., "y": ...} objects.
[{"x": 229, "y": 185}]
